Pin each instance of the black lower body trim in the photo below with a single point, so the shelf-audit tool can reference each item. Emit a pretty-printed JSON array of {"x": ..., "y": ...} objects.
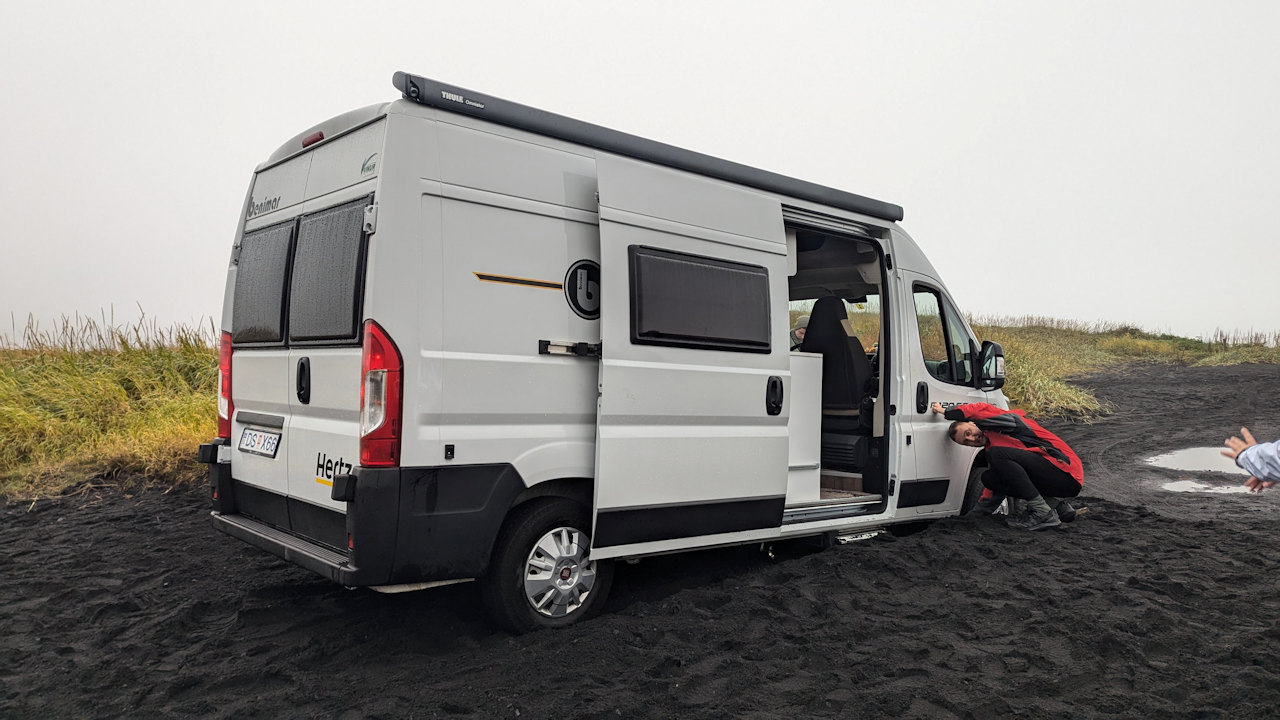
[
  {"x": 925, "y": 492},
  {"x": 404, "y": 525},
  {"x": 626, "y": 526}
]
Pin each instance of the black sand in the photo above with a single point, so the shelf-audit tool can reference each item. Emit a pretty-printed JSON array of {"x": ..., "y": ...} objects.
[{"x": 1153, "y": 604}]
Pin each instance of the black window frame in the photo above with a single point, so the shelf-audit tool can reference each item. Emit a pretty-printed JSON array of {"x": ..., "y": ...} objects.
[
  {"x": 945, "y": 311},
  {"x": 357, "y": 308},
  {"x": 637, "y": 255},
  {"x": 282, "y": 318},
  {"x": 286, "y": 341}
]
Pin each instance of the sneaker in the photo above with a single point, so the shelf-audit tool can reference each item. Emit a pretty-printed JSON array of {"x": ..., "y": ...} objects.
[
  {"x": 986, "y": 506},
  {"x": 1037, "y": 521},
  {"x": 1066, "y": 511}
]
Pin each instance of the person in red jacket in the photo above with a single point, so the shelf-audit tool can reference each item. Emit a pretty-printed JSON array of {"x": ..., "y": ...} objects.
[{"x": 1025, "y": 461}]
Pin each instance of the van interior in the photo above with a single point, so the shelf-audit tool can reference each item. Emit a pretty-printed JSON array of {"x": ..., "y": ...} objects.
[{"x": 837, "y": 284}]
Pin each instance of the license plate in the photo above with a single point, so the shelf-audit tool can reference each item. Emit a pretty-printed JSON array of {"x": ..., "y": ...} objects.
[{"x": 259, "y": 442}]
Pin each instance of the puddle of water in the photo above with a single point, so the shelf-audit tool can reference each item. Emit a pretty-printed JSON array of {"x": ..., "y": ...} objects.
[
  {"x": 1200, "y": 459},
  {"x": 1193, "y": 486}
]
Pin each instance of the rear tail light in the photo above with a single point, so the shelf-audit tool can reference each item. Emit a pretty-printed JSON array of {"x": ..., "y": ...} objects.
[
  {"x": 225, "y": 407},
  {"x": 381, "y": 398}
]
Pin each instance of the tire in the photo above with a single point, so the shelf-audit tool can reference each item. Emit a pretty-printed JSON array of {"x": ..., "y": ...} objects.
[
  {"x": 973, "y": 490},
  {"x": 540, "y": 575}
]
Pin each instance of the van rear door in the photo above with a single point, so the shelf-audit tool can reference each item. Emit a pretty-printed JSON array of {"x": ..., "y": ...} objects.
[
  {"x": 297, "y": 312},
  {"x": 691, "y": 444},
  {"x": 260, "y": 360},
  {"x": 325, "y": 321}
]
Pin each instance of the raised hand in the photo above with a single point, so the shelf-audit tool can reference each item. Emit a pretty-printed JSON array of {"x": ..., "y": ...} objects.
[{"x": 1237, "y": 445}]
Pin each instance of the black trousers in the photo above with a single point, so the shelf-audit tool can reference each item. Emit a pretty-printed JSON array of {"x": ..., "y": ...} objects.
[{"x": 1024, "y": 475}]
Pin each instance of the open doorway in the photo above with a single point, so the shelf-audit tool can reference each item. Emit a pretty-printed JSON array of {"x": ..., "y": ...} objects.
[{"x": 837, "y": 312}]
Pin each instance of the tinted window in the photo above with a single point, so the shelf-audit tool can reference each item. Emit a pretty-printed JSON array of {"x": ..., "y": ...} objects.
[
  {"x": 958, "y": 336},
  {"x": 328, "y": 266},
  {"x": 932, "y": 333},
  {"x": 699, "y": 302},
  {"x": 263, "y": 266},
  {"x": 944, "y": 341}
]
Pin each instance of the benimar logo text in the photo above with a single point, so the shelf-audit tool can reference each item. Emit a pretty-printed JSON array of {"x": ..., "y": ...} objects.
[{"x": 266, "y": 206}]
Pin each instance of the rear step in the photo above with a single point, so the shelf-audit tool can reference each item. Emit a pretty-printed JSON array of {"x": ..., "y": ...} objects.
[
  {"x": 316, "y": 558},
  {"x": 856, "y": 504},
  {"x": 853, "y": 536}
]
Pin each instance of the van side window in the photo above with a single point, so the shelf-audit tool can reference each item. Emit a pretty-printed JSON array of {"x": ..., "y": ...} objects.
[
  {"x": 328, "y": 269},
  {"x": 262, "y": 269},
  {"x": 691, "y": 301},
  {"x": 944, "y": 341}
]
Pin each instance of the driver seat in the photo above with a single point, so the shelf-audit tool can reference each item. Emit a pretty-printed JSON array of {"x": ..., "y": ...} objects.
[{"x": 846, "y": 371}]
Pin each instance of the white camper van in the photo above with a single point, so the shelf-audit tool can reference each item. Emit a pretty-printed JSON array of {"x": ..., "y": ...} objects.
[{"x": 466, "y": 339}]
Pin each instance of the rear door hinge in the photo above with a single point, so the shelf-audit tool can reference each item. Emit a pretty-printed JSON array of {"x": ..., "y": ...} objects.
[
  {"x": 371, "y": 219},
  {"x": 893, "y": 484},
  {"x": 562, "y": 347}
]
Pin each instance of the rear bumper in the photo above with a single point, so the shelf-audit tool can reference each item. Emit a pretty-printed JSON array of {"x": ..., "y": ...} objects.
[
  {"x": 299, "y": 551},
  {"x": 403, "y": 525}
]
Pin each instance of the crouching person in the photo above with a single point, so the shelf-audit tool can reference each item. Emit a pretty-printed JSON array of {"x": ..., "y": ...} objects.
[{"x": 1025, "y": 461}]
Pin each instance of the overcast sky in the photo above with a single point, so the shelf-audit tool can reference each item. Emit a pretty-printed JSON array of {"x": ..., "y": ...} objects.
[{"x": 1098, "y": 161}]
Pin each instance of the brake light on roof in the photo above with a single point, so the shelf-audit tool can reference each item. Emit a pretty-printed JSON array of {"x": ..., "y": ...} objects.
[
  {"x": 312, "y": 139},
  {"x": 225, "y": 407},
  {"x": 381, "y": 398}
]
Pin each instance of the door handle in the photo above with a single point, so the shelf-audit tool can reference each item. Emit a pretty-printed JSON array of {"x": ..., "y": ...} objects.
[
  {"x": 304, "y": 380},
  {"x": 773, "y": 395},
  {"x": 922, "y": 397}
]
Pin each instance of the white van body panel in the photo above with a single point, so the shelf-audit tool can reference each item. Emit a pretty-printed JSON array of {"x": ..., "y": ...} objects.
[
  {"x": 262, "y": 386},
  {"x": 680, "y": 425}
]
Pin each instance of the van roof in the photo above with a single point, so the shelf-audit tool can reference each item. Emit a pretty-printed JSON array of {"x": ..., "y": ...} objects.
[{"x": 451, "y": 98}]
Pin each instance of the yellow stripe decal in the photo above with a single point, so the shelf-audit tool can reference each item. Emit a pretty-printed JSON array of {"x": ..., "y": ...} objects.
[
  {"x": 509, "y": 280},
  {"x": 322, "y": 481}
]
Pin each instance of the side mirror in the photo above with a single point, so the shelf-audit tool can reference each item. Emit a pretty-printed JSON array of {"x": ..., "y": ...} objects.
[{"x": 989, "y": 367}]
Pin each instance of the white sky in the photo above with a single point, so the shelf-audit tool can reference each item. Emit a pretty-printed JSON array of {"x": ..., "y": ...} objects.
[{"x": 1089, "y": 160}]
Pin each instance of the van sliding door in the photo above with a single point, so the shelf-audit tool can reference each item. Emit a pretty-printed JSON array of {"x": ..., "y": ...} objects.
[{"x": 691, "y": 444}]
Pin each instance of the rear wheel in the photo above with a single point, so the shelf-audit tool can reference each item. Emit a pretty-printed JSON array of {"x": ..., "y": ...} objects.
[{"x": 541, "y": 575}]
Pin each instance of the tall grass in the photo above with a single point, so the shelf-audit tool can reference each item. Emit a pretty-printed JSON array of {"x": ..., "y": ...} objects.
[
  {"x": 1041, "y": 354},
  {"x": 90, "y": 399}
]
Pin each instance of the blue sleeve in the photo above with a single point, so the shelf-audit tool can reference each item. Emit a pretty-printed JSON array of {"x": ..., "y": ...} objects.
[{"x": 1261, "y": 461}]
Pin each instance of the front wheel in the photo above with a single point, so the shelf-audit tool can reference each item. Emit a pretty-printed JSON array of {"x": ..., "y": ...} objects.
[
  {"x": 973, "y": 490},
  {"x": 541, "y": 575}
]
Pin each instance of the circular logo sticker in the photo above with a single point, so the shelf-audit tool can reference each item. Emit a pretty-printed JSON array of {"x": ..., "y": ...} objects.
[{"x": 582, "y": 288}]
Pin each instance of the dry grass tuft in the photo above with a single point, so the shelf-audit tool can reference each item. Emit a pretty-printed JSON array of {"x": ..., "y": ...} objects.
[{"x": 92, "y": 400}]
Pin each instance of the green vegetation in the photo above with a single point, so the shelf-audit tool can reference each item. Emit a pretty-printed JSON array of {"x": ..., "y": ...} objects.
[
  {"x": 90, "y": 401},
  {"x": 1042, "y": 353},
  {"x": 93, "y": 402}
]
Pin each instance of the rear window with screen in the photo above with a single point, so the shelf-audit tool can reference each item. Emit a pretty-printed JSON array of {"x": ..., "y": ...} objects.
[
  {"x": 263, "y": 268},
  {"x": 328, "y": 267},
  {"x": 698, "y": 302}
]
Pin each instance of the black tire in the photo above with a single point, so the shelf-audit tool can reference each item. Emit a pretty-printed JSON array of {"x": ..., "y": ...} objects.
[
  {"x": 973, "y": 490},
  {"x": 540, "y": 575}
]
